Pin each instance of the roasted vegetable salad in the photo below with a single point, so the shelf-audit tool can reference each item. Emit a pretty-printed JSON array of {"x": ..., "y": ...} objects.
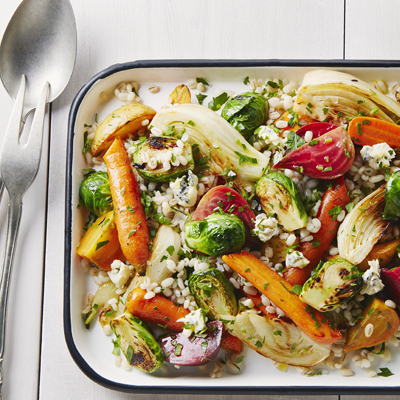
[{"x": 267, "y": 219}]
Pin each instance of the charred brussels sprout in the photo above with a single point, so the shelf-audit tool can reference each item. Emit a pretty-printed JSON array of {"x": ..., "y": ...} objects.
[
  {"x": 392, "y": 197},
  {"x": 246, "y": 112},
  {"x": 333, "y": 284},
  {"x": 160, "y": 159},
  {"x": 279, "y": 195},
  {"x": 213, "y": 292},
  {"x": 95, "y": 192},
  {"x": 137, "y": 343},
  {"x": 217, "y": 234}
]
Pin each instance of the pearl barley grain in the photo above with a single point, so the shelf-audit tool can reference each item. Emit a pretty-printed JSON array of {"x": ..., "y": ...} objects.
[
  {"x": 346, "y": 372},
  {"x": 154, "y": 89},
  {"x": 369, "y": 329},
  {"x": 390, "y": 304}
]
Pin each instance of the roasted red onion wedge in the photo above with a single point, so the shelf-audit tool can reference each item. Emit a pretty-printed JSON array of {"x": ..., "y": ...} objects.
[
  {"x": 198, "y": 349},
  {"x": 327, "y": 157}
]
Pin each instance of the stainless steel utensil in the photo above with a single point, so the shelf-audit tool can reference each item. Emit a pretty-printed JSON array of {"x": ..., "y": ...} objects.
[
  {"x": 37, "y": 57},
  {"x": 40, "y": 43}
]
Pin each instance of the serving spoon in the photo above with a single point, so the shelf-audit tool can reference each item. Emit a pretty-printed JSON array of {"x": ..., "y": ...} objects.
[
  {"x": 40, "y": 43},
  {"x": 37, "y": 57}
]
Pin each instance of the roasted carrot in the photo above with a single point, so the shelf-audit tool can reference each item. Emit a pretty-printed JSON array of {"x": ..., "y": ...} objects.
[
  {"x": 368, "y": 131},
  {"x": 231, "y": 343},
  {"x": 158, "y": 309},
  {"x": 130, "y": 218},
  {"x": 285, "y": 117},
  {"x": 162, "y": 311},
  {"x": 256, "y": 299},
  {"x": 336, "y": 196},
  {"x": 279, "y": 291}
]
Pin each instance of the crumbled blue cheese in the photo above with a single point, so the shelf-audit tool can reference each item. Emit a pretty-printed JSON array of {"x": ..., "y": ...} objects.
[
  {"x": 378, "y": 156},
  {"x": 119, "y": 273},
  {"x": 372, "y": 280},
  {"x": 296, "y": 259},
  {"x": 270, "y": 136},
  {"x": 185, "y": 189},
  {"x": 265, "y": 227},
  {"x": 194, "y": 322}
]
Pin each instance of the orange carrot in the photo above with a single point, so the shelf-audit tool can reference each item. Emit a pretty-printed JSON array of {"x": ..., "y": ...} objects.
[
  {"x": 279, "y": 291},
  {"x": 256, "y": 299},
  {"x": 231, "y": 343},
  {"x": 158, "y": 309},
  {"x": 130, "y": 218},
  {"x": 162, "y": 311},
  {"x": 314, "y": 251},
  {"x": 286, "y": 117},
  {"x": 368, "y": 131}
]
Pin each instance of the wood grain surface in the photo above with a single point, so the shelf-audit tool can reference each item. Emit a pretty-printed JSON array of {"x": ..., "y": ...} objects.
[{"x": 111, "y": 32}]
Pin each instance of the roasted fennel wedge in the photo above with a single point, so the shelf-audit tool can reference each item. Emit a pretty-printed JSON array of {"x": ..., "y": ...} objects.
[
  {"x": 363, "y": 227},
  {"x": 276, "y": 339},
  {"x": 104, "y": 293},
  {"x": 222, "y": 146},
  {"x": 165, "y": 247},
  {"x": 332, "y": 95}
]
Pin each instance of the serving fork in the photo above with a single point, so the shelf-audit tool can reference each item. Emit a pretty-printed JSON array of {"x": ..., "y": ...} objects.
[{"x": 19, "y": 164}]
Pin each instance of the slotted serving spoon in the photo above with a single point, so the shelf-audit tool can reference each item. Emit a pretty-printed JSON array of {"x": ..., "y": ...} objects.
[{"x": 37, "y": 57}]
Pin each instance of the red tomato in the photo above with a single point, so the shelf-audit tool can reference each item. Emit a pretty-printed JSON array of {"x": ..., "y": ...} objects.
[{"x": 229, "y": 200}]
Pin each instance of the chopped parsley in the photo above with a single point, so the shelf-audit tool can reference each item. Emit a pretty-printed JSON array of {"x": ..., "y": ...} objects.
[
  {"x": 101, "y": 244},
  {"x": 217, "y": 102},
  {"x": 334, "y": 212},
  {"x": 385, "y": 372},
  {"x": 294, "y": 141},
  {"x": 246, "y": 159},
  {"x": 203, "y": 81},
  {"x": 201, "y": 97}
]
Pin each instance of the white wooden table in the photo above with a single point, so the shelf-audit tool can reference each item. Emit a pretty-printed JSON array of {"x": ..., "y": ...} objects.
[{"x": 37, "y": 362}]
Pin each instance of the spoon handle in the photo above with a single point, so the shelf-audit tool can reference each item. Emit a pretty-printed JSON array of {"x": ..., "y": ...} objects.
[
  {"x": 14, "y": 218},
  {"x": 1, "y": 190}
]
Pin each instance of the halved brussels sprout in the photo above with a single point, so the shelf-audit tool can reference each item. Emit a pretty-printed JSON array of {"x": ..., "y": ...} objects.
[
  {"x": 156, "y": 159},
  {"x": 213, "y": 292},
  {"x": 137, "y": 344},
  {"x": 392, "y": 197},
  {"x": 95, "y": 192},
  {"x": 246, "y": 112},
  {"x": 217, "y": 234},
  {"x": 279, "y": 195},
  {"x": 276, "y": 339},
  {"x": 333, "y": 284}
]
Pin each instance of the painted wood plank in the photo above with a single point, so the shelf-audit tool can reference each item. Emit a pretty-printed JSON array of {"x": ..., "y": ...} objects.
[
  {"x": 21, "y": 359},
  {"x": 125, "y": 30},
  {"x": 372, "y": 29}
]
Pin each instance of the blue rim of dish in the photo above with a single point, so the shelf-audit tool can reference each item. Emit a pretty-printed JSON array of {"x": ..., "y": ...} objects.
[{"x": 180, "y": 389}]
